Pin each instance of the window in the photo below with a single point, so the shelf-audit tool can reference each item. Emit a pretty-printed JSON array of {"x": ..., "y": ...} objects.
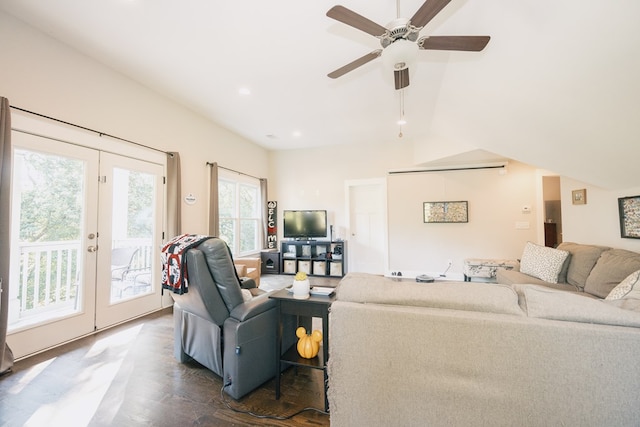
[{"x": 239, "y": 206}]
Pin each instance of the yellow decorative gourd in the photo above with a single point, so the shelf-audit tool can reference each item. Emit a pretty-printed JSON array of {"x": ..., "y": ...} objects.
[{"x": 308, "y": 345}]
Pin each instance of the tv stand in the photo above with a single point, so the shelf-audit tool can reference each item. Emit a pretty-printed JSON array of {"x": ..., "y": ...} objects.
[{"x": 314, "y": 257}]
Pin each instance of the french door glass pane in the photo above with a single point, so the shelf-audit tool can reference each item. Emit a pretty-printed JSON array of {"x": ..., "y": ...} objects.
[
  {"x": 48, "y": 196},
  {"x": 132, "y": 233}
]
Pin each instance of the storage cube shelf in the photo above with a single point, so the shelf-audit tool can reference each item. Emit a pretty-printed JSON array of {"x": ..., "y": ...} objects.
[
  {"x": 304, "y": 266},
  {"x": 314, "y": 257}
]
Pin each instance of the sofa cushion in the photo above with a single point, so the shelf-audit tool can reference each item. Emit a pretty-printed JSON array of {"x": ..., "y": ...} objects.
[
  {"x": 545, "y": 303},
  {"x": 562, "y": 276},
  {"x": 507, "y": 277},
  {"x": 628, "y": 288},
  {"x": 542, "y": 262},
  {"x": 612, "y": 267},
  {"x": 583, "y": 258},
  {"x": 511, "y": 277},
  {"x": 480, "y": 297}
]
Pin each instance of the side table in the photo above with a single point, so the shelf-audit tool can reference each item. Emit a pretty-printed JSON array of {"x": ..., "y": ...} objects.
[{"x": 305, "y": 309}]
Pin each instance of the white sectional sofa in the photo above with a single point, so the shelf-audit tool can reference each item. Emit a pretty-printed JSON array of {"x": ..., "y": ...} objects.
[{"x": 478, "y": 354}]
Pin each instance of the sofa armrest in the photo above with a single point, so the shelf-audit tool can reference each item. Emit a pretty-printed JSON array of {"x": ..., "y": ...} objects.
[
  {"x": 252, "y": 267},
  {"x": 249, "y": 262},
  {"x": 252, "y": 308}
]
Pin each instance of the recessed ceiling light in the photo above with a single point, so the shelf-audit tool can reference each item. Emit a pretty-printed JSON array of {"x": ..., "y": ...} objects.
[
  {"x": 297, "y": 134},
  {"x": 244, "y": 91}
]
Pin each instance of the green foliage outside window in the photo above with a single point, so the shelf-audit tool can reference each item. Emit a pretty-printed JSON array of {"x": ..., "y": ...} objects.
[
  {"x": 239, "y": 214},
  {"x": 51, "y": 194}
]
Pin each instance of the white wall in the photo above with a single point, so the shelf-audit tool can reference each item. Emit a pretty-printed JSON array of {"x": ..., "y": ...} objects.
[
  {"x": 596, "y": 222},
  {"x": 44, "y": 76},
  {"x": 495, "y": 201},
  {"x": 315, "y": 179}
]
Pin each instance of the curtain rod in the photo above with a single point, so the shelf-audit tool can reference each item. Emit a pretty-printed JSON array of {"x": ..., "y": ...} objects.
[
  {"x": 90, "y": 130},
  {"x": 235, "y": 171},
  {"x": 450, "y": 169}
]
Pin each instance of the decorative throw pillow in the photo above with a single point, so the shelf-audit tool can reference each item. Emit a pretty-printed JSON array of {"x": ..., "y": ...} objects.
[
  {"x": 628, "y": 288},
  {"x": 542, "y": 262}
]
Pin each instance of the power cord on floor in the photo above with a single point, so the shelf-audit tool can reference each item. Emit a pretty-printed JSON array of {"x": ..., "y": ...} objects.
[{"x": 272, "y": 417}]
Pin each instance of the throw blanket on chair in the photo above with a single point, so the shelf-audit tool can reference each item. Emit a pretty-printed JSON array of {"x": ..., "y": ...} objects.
[{"x": 174, "y": 267}]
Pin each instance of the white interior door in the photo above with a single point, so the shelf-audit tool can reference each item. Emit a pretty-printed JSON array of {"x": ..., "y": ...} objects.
[{"x": 367, "y": 226}]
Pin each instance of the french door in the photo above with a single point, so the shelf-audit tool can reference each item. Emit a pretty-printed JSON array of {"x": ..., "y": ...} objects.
[
  {"x": 75, "y": 212},
  {"x": 130, "y": 227}
]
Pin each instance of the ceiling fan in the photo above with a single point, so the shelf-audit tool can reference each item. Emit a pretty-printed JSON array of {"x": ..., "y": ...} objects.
[{"x": 399, "y": 39}]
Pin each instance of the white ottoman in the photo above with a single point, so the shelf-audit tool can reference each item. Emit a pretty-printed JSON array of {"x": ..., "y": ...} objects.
[{"x": 486, "y": 268}]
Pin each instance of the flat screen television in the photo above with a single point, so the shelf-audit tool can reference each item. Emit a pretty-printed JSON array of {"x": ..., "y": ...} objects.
[{"x": 305, "y": 224}]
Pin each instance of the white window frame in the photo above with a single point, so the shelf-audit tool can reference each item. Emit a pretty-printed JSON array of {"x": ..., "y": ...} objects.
[{"x": 238, "y": 179}]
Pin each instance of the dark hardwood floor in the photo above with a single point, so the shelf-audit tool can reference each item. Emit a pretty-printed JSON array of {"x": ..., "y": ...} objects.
[{"x": 127, "y": 376}]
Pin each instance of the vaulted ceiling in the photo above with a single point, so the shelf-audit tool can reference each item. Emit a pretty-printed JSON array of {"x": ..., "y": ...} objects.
[{"x": 557, "y": 86}]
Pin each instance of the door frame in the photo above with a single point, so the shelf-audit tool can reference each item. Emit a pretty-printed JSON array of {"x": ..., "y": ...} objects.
[
  {"x": 27, "y": 123},
  {"x": 382, "y": 184}
]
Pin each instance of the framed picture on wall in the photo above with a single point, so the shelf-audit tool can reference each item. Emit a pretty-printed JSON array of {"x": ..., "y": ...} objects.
[
  {"x": 629, "y": 211},
  {"x": 579, "y": 197},
  {"x": 443, "y": 212}
]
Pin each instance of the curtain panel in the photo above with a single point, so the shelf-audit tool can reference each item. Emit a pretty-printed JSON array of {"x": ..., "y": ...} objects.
[
  {"x": 174, "y": 196},
  {"x": 214, "y": 214},
  {"x": 6, "y": 356}
]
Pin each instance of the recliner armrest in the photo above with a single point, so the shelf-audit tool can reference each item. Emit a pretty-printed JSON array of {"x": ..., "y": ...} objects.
[
  {"x": 252, "y": 308},
  {"x": 247, "y": 283}
]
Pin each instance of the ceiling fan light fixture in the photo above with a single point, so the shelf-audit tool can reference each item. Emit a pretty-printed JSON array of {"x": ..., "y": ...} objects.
[{"x": 400, "y": 54}]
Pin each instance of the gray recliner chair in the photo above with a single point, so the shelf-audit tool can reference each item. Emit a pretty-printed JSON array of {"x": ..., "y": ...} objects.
[{"x": 216, "y": 327}]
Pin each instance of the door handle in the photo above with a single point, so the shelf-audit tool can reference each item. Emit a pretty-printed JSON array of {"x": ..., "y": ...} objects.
[{"x": 92, "y": 248}]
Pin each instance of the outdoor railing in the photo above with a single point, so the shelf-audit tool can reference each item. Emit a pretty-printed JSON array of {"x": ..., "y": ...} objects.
[{"x": 49, "y": 273}]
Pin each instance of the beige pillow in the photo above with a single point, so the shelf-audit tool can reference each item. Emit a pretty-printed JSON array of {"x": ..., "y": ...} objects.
[
  {"x": 612, "y": 268},
  {"x": 583, "y": 258},
  {"x": 542, "y": 262},
  {"x": 628, "y": 288}
]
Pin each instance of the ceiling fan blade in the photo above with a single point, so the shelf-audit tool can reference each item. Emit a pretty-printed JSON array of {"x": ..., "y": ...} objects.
[
  {"x": 427, "y": 11},
  {"x": 467, "y": 43},
  {"x": 401, "y": 78},
  {"x": 349, "y": 17},
  {"x": 355, "y": 64}
]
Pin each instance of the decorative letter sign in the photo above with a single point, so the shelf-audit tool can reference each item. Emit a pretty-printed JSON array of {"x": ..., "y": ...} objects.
[{"x": 272, "y": 221}]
